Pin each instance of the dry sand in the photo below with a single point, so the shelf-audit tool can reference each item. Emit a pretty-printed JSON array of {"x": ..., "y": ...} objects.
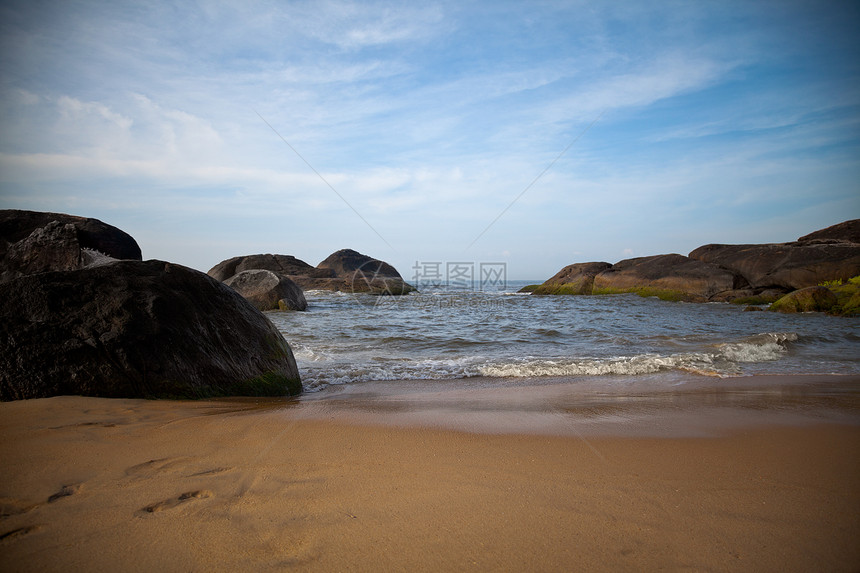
[{"x": 91, "y": 484}]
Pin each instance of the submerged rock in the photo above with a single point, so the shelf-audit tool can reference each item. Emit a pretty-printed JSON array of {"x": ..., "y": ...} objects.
[
  {"x": 810, "y": 299},
  {"x": 137, "y": 329},
  {"x": 267, "y": 290}
]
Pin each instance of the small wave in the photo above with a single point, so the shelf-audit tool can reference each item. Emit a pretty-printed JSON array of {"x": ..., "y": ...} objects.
[
  {"x": 723, "y": 362},
  {"x": 302, "y": 352},
  {"x": 547, "y": 332},
  {"x": 316, "y": 378},
  {"x": 624, "y": 366},
  {"x": 759, "y": 348}
]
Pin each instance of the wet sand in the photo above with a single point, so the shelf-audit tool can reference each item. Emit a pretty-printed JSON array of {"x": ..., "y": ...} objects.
[{"x": 745, "y": 475}]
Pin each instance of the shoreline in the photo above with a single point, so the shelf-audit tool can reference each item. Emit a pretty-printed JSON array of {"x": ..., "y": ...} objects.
[
  {"x": 394, "y": 478},
  {"x": 675, "y": 405}
]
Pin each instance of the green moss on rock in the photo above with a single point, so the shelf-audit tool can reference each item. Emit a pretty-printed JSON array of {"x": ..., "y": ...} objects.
[
  {"x": 847, "y": 298},
  {"x": 270, "y": 384},
  {"x": 574, "y": 288},
  {"x": 810, "y": 299},
  {"x": 645, "y": 292}
]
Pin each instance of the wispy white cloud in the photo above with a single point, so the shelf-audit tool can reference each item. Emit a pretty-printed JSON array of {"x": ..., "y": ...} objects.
[
  {"x": 428, "y": 118},
  {"x": 356, "y": 25}
]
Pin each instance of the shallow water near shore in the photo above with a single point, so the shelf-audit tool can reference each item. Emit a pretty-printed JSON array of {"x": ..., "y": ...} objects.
[
  {"x": 682, "y": 405},
  {"x": 499, "y": 336}
]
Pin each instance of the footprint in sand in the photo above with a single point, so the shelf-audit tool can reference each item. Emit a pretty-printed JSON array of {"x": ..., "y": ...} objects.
[
  {"x": 173, "y": 465},
  {"x": 21, "y": 531},
  {"x": 176, "y": 501},
  {"x": 87, "y": 425},
  {"x": 155, "y": 466},
  {"x": 212, "y": 472},
  {"x": 9, "y": 507},
  {"x": 66, "y": 491}
]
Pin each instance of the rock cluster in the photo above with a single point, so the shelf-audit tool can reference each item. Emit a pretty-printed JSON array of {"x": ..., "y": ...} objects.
[
  {"x": 753, "y": 274},
  {"x": 77, "y": 320},
  {"x": 344, "y": 270}
]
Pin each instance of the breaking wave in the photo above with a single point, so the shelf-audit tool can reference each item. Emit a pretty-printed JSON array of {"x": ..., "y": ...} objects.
[{"x": 722, "y": 360}]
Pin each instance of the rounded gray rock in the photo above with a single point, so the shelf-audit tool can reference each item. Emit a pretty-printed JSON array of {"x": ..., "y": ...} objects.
[{"x": 268, "y": 290}]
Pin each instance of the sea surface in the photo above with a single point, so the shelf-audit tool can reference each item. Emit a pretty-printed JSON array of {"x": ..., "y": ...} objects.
[{"x": 498, "y": 334}]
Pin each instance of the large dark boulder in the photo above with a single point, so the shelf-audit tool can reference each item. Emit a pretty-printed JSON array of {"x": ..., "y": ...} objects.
[
  {"x": 267, "y": 290},
  {"x": 16, "y": 225},
  {"x": 577, "y": 278},
  {"x": 286, "y": 265},
  {"x": 137, "y": 329},
  {"x": 673, "y": 277},
  {"x": 785, "y": 265}
]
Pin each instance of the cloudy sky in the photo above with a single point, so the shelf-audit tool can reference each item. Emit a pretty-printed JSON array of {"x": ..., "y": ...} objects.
[{"x": 433, "y": 131}]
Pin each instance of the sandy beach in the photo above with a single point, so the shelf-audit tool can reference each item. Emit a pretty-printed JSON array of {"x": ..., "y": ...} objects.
[{"x": 374, "y": 479}]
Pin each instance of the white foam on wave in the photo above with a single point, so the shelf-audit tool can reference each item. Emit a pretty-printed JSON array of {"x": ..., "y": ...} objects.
[
  {"x": 315, "y": 377},
  {"x": 759, "y": 348},
  {"x": 303, "y": 352},
  {"x": 625, "y": 366},
  {"x": 724, "y": 360}
]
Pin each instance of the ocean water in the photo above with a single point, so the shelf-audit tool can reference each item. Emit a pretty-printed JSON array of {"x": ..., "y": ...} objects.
[{"x": 501, "y": 335}]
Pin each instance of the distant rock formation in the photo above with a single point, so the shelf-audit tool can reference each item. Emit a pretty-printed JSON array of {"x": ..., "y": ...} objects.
[
  {"x": 344, "y": 270},
  {"x": 752, "y": 274},
  {"x": 33, "y": 242},
  {"x": 786, "y": 266},
  {"x": 347, "y": 262},
  {"x": 137, "y": 329},
  {"x": 286, "y": 265},
  {"x": 672, "y": 276},
  {"x": 267, "y": 290},
  {"x": 577, "y": 278},
  {"x": 846, "y": 232}
]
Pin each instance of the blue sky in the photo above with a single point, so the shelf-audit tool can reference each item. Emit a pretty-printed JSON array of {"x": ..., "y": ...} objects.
[{"x": 690, "y": 123}]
